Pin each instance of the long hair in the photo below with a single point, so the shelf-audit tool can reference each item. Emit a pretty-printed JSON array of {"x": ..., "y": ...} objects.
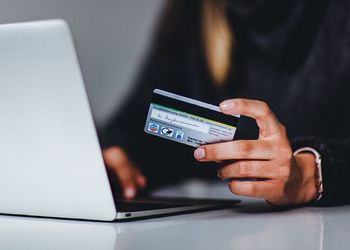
[
  {"x": 212, "y": 26},
  {"x": 217, "y": 39}
]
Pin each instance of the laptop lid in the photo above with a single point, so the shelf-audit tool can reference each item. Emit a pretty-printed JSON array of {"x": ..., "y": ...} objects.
[{"x": 50, "y": 158}]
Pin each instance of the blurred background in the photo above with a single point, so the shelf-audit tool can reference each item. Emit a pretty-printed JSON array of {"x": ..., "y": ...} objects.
[{"x": 112, "y": 37}]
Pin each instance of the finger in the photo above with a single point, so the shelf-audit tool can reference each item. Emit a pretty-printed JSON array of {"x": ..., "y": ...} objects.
[
  {"x": 140, "y": 178},
  {"x": 257, "y": 189},
  {"x": 260, "y": 111},
  {"x": 235, "y": 150},
  {"x": 114, "y": 156},
  {"x": 249, "y": 169},
  {"x": 127, "y": 180},
  {"x": 117, "y": 161}
]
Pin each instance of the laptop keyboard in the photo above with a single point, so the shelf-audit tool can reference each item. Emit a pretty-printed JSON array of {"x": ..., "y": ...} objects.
[
  {"x": 135, "y": 206},
  {"x": 162, "y": 203}
]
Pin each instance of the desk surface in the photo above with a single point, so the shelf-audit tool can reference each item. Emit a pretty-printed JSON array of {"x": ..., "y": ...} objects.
[{"x": 251, "y": 225}]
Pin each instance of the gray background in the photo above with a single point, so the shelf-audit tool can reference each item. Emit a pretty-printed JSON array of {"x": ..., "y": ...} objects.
[{"x": 112, "y": 37}]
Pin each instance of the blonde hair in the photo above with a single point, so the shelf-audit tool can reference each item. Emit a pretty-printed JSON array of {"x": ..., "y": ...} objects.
[{"x": 218, "y": 39}]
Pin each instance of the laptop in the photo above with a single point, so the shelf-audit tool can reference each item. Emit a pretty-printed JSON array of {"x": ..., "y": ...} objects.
[{"x": 50, "y": 158}]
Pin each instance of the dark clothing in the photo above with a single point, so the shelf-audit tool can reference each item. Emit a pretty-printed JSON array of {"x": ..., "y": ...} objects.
[{"x": 292, "y": 54}]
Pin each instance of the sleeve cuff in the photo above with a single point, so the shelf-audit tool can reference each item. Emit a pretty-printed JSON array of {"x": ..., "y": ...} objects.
[{"x": 334, "y": 170}]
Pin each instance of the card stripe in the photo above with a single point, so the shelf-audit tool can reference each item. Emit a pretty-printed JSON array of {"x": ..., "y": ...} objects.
[{"x": 194, "y": 109}]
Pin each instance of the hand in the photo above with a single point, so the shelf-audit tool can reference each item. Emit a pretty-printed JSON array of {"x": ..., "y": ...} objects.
[
  {"x": 130, "y": 177},
  {"x": 268, "y": 165}
]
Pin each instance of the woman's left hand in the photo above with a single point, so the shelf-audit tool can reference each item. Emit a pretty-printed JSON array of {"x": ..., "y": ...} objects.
[{"x": 267, "y": 164}]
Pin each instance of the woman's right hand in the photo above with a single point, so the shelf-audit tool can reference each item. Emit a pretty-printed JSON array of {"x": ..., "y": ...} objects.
[{"x": 130, "y": 178}]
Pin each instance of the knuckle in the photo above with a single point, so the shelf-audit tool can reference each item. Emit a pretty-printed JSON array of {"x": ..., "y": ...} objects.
[
  {"x": 264, "y": 109},
  {"x": 243, "y": 168},
  {"x": 283, "y": 129},
  {"x": 244, "y": 147}
]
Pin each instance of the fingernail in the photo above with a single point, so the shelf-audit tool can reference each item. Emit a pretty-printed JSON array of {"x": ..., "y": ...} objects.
[
  {"x": 129, "y": 193},
  {"x": 141, "y": 180},
  {"x": 218, "y": 174},
  {"x": 226, "y": 105},
  {"x": 199, "y": 153}
]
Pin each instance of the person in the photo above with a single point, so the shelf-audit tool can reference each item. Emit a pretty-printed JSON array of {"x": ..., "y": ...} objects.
[{"x": 283, "y": 65}]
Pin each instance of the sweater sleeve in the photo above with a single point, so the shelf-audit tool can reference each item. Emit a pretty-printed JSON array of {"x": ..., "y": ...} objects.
[{"x": 335, "y": 155}]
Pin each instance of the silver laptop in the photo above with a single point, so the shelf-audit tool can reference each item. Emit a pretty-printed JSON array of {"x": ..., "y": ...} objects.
[{"x": 50, "y": 158}]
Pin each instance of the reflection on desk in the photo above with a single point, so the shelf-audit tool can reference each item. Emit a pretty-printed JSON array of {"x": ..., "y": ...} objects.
[
  {"x": 33, "y": 233},
  {"x": 251, "y": 225}
]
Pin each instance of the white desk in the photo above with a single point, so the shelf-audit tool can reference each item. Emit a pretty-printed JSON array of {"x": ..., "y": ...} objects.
[{"x": 251, "y": 225}]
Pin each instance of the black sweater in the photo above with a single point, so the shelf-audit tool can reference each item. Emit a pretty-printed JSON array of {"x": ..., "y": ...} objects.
[{"x": 292, "y": 54}]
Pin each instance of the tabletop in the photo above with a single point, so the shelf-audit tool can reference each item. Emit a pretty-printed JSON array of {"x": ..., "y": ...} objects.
[{"x": 251, "y": 225}]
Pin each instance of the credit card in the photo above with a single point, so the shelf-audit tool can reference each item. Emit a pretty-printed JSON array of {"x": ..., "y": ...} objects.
[{"x": 188, "y": 121}]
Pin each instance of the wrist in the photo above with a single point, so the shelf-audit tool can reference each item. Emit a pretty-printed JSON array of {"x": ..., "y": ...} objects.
[{"x": 307, "y": 168}]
